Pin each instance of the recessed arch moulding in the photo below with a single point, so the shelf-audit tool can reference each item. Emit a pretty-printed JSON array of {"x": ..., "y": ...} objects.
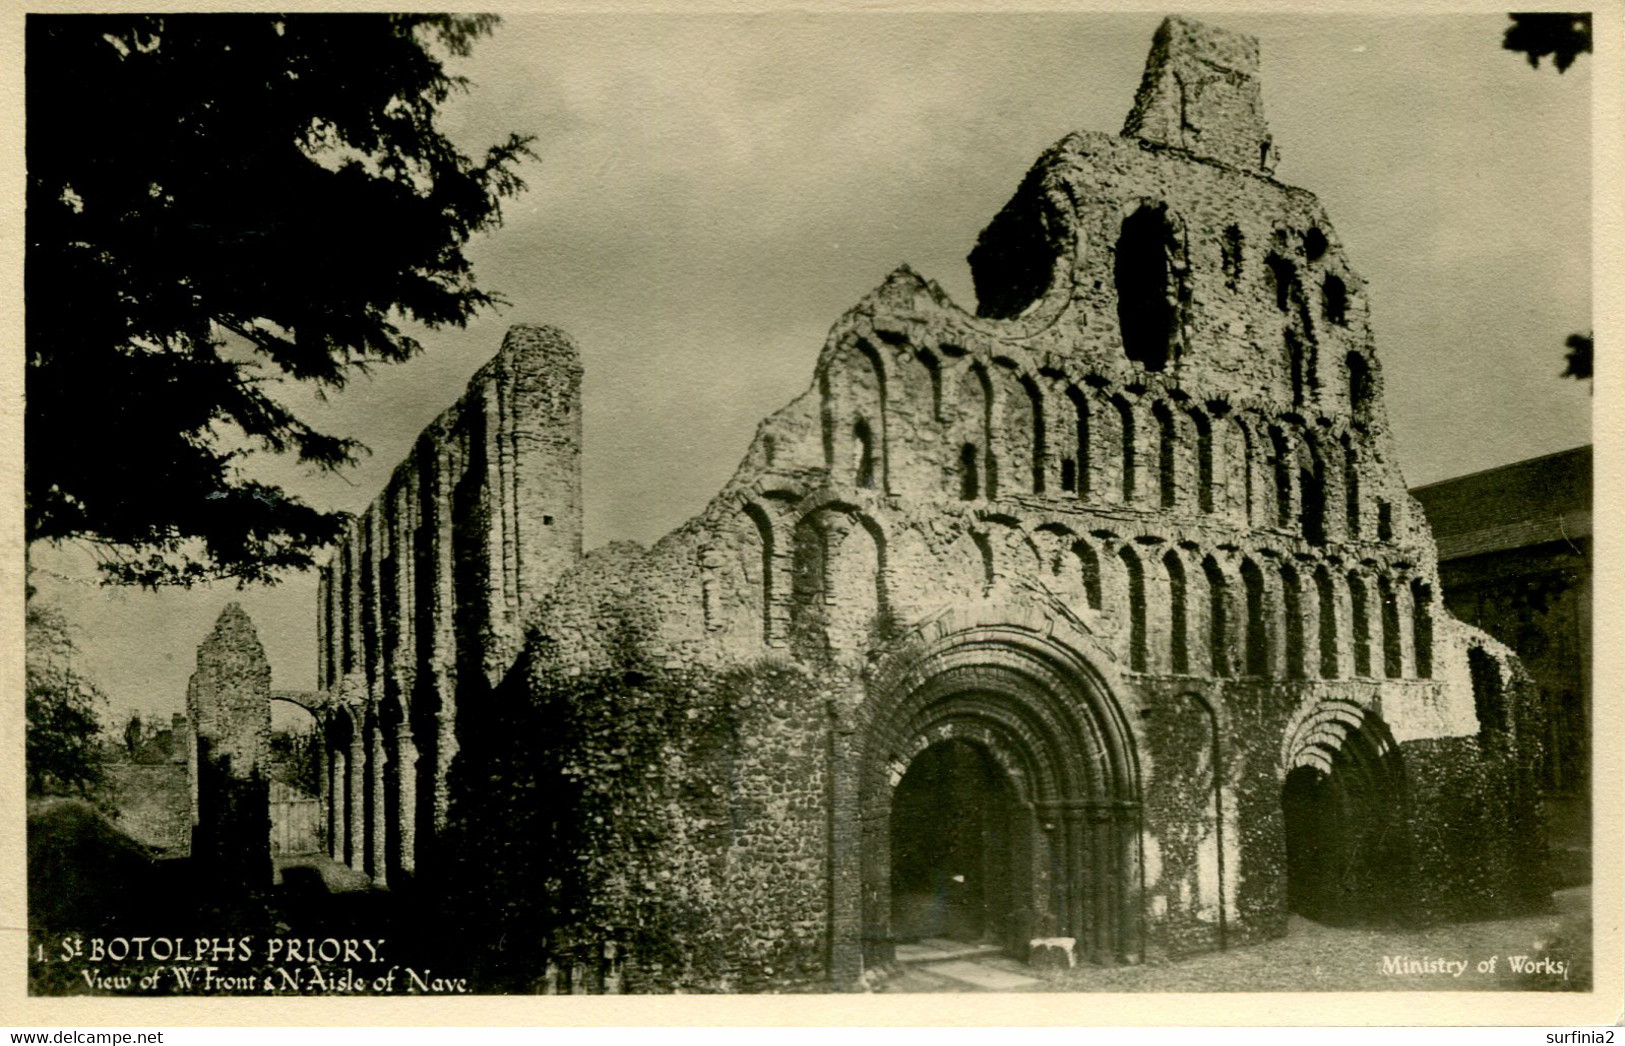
[{"x": 1130, "y": 536}]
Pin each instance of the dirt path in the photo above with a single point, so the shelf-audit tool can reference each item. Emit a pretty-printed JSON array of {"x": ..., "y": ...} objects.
[{"x": 1321, "y": 958}]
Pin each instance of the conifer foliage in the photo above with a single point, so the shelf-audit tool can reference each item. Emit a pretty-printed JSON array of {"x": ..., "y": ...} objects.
[{"x": 218, "y": 204}]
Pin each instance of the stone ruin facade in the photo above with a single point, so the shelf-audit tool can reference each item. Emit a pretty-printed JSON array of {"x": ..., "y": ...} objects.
[
  {"x": 1100, "y": 617},
  {"x": 423, "y": 607},
  {"x": 228, "y": 703}
]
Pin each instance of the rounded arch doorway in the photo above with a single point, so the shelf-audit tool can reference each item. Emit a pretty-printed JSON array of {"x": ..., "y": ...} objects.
[
  {"x": 952, "y": 821},
  {"x": 1344, "y": 818},
  {"x": 999, "y": 799}
]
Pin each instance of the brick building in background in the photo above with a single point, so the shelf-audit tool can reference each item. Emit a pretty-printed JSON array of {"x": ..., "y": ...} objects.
[
  {"x": 1515, "y": 560},
  {"x": 1100, "y": 617}
]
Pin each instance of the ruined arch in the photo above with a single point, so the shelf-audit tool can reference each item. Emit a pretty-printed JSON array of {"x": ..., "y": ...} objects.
[
  {"x": 838, "y": 580},
  {"x": 1167, "y": 455},
  {"x": 1038, "y": 723},
  {"x": 763, "y": 525},
  {"x": 973, "y": 432},
  {"x": 1082, "y": 459},
  {"x": 1245, "y": 479},
  {"x": 1345, "y": 805},
  {"x": 1393, "y": 654},
  {"x": 1036, "y": 448},
  {"x": 1326, "y": 596},
  {"x": 1134, "y": 588},
  {"x": 933, "y": 370},
  {"x": 1292, "y": 617},
  {"x": 1360, "y": 623},
  {"x": 1311, "y": 491},
  {"x": 1422, "y": 627},
  {"x": 1178, "y": 613},
  {"x": 1282, "y": 458},
  {"x": 1218, "y": 618},
  {"x": 1256, "y": 642},
  {"x": 1127, "y": 440},
  {"x": 809, "y": 581},
  {"x": 1204, "y": 459}
]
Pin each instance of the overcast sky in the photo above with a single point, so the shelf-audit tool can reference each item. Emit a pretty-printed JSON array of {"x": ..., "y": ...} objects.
[{"x": 712, "y": 192}]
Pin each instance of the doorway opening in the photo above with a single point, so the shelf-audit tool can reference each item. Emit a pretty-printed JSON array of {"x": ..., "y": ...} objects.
[
  {"x": 1347, "y": 850},
  {"x": 951, "y": 848}
]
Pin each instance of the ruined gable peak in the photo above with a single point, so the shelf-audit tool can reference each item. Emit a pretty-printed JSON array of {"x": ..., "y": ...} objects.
[{"x": 1201, "y": 93}]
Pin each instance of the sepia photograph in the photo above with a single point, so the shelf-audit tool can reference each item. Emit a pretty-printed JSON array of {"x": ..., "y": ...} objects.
[{"x": 818, "y": 503}]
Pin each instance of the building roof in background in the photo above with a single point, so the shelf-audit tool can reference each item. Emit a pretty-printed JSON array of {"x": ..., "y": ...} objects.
[{"x": 1514, "y": 506}]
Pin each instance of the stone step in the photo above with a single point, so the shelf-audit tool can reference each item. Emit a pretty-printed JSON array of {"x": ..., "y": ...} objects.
[{"x": 938, "y": 949}]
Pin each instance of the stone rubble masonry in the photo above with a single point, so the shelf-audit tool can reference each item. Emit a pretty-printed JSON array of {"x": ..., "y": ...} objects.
[
  {"x": 1135, "y": 529},
  {"x": 228, "y": 701},
  {"x": 1201, "y": 93}
]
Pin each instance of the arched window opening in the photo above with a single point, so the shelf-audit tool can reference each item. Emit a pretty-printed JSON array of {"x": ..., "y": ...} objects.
[
  {"x": 1282, "y": 273},
  {"x": 1393, "y": 657},
  {"x": 1204, "y": 462},
  {"x": 1359, "y": 382},
  {"x": 1137, "y": 654},
  {"x": 1230, "y": 257},
  {"x": 1351, "y": 490},
  {"x": 770, "y": 449},
  {"x": 974, "y": 425},
  {"x": 1296, "y": 365},
  {"x": 1250, "y": 481},
  {"x": 1334, "y": 299},
  {"x": 1125, "y": 418},
  {"x": 1039, "y": 464},
  {"x": 764, "y": 535},
  {"x": 1147, "y": 291},
  {"x": 865, "y": 446},
  {"x": 1385, "y": 521},
  {"x": 1258, "y": 655},
  {"x": 1314, "y": 244},
  {"x": 1292, "y": 612},
  {"x": 1089, "y": 565},
  {"x": 1167, "y": 445},
  {"x": 1328, "y": 624},
  {"x": 1422, "y": 627},
  {"x": 1179, "y": 649},
  {"x": 933, "y": 370},
  {"x": 1218, "y": 655},
  {"x": 1080, "y": 409},
  {"x": 1282, "y": 453},
  {"x": 1069, "y": 475},
  {"x": 1360, "y": 614},
  {"x": 969, "y": 485},
  {"x": 1489, "y": 701},
  {"x": 1311, "y": 496}
]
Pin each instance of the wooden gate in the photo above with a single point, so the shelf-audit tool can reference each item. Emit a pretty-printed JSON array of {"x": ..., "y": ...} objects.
[{"x": 296, "y": 823}]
